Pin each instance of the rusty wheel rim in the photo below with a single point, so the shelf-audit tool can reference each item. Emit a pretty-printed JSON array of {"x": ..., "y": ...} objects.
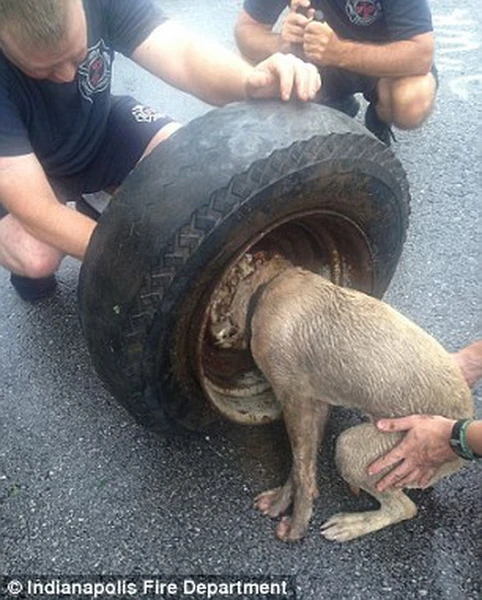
[{"x": 323, "y": 241}]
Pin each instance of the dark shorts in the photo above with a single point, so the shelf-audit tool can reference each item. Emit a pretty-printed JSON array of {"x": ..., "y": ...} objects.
[
  {"x": 338, "y": 84},
  {"x": 130, "y": 127}
]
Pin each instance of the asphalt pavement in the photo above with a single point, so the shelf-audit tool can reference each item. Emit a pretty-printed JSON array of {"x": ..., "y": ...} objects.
[{"x": 84, "y": 490}]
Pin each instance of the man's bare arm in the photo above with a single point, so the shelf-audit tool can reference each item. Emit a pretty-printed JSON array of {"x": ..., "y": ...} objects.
[
  {"x": 255, "y": 40},
  {"x": 26, "y": 194},
  {"x": 393, "y": 59},
  {"x": 193, "y": 64},
  {"x": 218, "y": 76}
]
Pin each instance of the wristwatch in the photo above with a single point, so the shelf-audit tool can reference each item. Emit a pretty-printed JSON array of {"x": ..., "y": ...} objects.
[{"x": 458, "y": 440}]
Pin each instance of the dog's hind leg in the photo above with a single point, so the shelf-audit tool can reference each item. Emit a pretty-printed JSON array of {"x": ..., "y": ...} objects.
[{"x": 356, "y": 448}]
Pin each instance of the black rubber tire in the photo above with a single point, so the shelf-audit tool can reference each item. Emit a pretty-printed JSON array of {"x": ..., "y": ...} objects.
[{"x": 197, "y": 202}]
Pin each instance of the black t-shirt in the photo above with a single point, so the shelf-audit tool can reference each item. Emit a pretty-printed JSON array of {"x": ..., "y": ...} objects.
[
  {"x": 64, "y": 123},
  {"x": 360, "y": 20}
]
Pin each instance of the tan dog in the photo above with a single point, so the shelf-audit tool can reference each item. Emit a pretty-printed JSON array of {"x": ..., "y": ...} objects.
[{"x": 320, "y": 345}]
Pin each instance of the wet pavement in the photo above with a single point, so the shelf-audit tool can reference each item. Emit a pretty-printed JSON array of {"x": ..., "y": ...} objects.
[{"x": 84, "y": 490}]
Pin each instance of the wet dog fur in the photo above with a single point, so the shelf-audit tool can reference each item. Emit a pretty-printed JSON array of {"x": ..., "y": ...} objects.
[{"x": 320, "y": 345}]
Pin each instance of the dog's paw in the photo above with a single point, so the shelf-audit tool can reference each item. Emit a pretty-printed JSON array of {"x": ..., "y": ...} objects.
[
  {"x": 348, "y": 526},
  {"x": 288, "y": 531},
  {"x": 273, "y": 503},
  {"x": 343, "y": 527}
]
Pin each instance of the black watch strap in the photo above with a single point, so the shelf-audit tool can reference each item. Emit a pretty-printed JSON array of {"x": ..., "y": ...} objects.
[{"x": 458, "y": 440}]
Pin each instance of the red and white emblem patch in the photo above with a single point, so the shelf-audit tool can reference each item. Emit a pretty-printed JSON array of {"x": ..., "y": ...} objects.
[
  {"x": 363, "y": 12},
  {"x": 95, "y": 72}
]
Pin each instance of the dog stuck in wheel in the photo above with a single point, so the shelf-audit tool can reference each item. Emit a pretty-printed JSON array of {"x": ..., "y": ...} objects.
[{"x": 321, "y": 345}]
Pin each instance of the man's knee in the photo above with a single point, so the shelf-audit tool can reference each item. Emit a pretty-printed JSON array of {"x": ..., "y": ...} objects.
[
  {"x": 161, "y": 136},
  {"x": 41, "y": 264},
  {"x": 23, "y": 254},
  {"x": 35, "y": 262},
  {"x": 412, "y": 100}
]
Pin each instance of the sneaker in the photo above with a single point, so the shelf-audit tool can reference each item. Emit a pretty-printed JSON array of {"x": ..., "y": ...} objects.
[
  {"x": 348, "y": 105},
  {"x": 373, "y": 123},
  {"x": 32, "y": 290}
]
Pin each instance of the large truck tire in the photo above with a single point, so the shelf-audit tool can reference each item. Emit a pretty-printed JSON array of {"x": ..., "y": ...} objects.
[{"x": 302, "y": 179}]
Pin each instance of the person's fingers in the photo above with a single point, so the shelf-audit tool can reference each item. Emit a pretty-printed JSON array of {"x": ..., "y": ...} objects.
[
  {"x": 310, "y": 32},
  {"x": 400, "y": 424},
  {"x": 426, "y": 478},
  {"x": 412, "y": 478},
  {"x": 392, "y": 478},
  {"x": 390, "y": 459},
  {"x": 293, "y": 35},
  {"x": 310, "y": 46},
  {"x": 315, "y": 33},
  {"x": 289, "y": 73},
  {"x": 286, "y": 73},
  {"x": 293, "y": 28},
  {"x": 315, "y": 82},
  {"x": 307, "y": 80},
  {"x": 301, "y": 82},
  {"x": 298, "y": 21},
  {"x": 295, "y": 4},
  {"x": 278, "y": 68}
]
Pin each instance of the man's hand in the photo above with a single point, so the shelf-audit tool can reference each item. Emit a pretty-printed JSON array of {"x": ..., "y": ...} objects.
[
  {"x": 416, "y": 458},
  {"x": 321, "y": 45},
  {"x": 282, "y": 75},
  {"x": 43, "y": 225},
  {"x": 293, "y": 27}
]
